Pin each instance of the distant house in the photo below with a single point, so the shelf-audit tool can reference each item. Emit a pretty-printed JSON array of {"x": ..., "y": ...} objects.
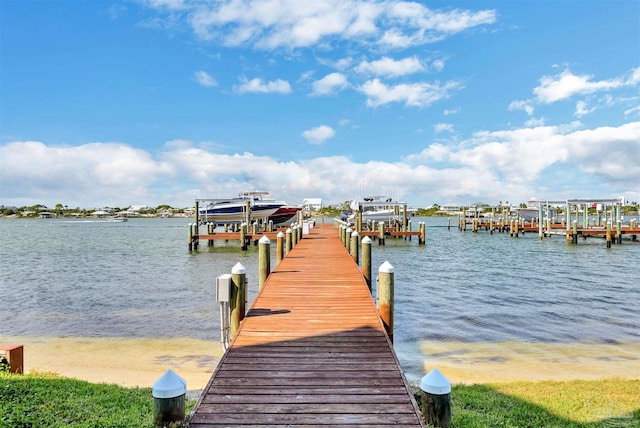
[
  {"x": 101, "y": 213},
  {"x": 450, "y": 208},
  {"x": 312, "y": 204}
]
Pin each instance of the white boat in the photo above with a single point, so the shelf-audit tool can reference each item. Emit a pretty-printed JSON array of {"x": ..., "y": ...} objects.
[
  {"x": 379, "y": 208},
  {"x": 117, "y": 219},
  {"x": 234, "y": 210}
]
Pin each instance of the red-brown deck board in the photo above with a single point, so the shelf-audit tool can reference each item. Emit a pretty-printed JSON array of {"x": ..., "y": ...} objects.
[{"x": 312, "y": 351}]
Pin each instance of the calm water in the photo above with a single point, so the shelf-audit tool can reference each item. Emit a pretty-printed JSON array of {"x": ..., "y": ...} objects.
[{"x": 137, "y": 279}]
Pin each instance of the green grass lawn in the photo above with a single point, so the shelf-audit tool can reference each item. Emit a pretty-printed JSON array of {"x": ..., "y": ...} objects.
[{"x": 51, "y": 401}]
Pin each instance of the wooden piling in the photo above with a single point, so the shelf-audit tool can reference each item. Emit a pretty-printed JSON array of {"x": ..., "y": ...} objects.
[
  {"x": 366, "y": 260},
  {"x": 423, "y": 233},
  {"x": 608, "y": 236},
  {"x": 254, "y": 232},
  {"x": 264, "y": 260},
  {"x": 243, "y": 236},
  {"x": 347, "y": 239},
  {"x": 190, "y": 237},
  {"x": 386, "y": 296},
  {"x": 289, "y": 243},
  {"x": 279, "y": 247},
  {"x": 294, "y": 235},
  {"x": 381, "y": 233},
  {"x": 354, "y": 248},
  {"x": 574, "y": 236},
  {"x": 237, "y": 303}
]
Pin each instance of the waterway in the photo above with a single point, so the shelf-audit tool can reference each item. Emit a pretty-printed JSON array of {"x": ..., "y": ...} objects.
[{"x": 480, "y": 307}]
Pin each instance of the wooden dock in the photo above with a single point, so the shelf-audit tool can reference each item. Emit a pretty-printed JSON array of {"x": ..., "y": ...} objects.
[{"x": 312, "y": 351}]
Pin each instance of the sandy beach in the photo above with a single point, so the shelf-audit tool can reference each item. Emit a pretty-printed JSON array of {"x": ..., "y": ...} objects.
[
  {"x": 140, "y": 362},
  {"x": 122, "y": 361}
]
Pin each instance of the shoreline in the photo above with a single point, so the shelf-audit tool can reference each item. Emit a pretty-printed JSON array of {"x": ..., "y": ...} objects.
[
  {"x": 139, "y": 362},
  {"x": 129, "y": 362}
]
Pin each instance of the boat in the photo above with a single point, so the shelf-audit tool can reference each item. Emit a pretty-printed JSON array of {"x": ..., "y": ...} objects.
[
  {"x": 285, "y": 215},
  {"x": 379, "y": 208},
  {"x": 233, "y": 210},
  {"x": 117, "y": 219}
]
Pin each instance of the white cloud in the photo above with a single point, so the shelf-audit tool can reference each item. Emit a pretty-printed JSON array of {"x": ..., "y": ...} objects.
[
  {"x": 319, "y": 134},
  {"x": 98, "y": 172},
  {"x": 521, "y": 105},
  {"x": 258, "y": 86},
  {"x": 566, "y": 84},
  {"x": 166, "y": 4},
  {"x": 420, "y": 94},
  {"x": 582, "y": 109},
  {"x": 204, "y": 78},
  {"x": 438, "y": 64},
  {"x": 633, "y": 110},
  {"x": 450, "y": 111},
  {"x": 329, "y": 84},
  {"x": 389, "y": 67},
  {"x": 534, "y": 122},
  {"x": 269, "y": 24},
  {"x": 491, "y": 165},
  {"x": 442, "y": 127}
]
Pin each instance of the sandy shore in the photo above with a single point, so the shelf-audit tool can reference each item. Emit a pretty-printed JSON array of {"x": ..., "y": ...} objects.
[
  {"x": 140, "y": 362},
  {"x": 484, "y": 362},
  {"x": 125, "y": 362}
]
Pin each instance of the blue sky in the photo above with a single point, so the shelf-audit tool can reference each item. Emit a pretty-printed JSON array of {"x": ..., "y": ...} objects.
[{"x": 163, "y": 101}]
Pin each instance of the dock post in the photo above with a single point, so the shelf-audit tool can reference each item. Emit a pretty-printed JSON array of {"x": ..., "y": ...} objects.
[
  {"x": 254, "y": 232},
  {"x": 347, "y": 238},
  {"x": 449, "y": 223},
  {"x": 423, "y": 233},
  {"x": 619, "y": 231},
  {"x": 294, "y": 235},
  {"x": 264, "y": 260},
  {"x": 279, "y": 247},
  {"x": 366, "y": 260},
  {"x": 540, "y": 225},
  {"x": 574, "y": 236},
  {"x": 270, "y": 226},
  {"x": 247, "y": 208},
  {"x": 608, "y": 234},
  {"x": 243, "y": 236},
  {"x": 169, "y": 393},
  {"x": 190, "y": 237},
  {"x": 436, "y": 399},
  {"x": 238, "y": 299},
  {"x": 354, "y": 249},
  {"x": 381, "y": 233},
  {"x": 288, "y": 242},
  {"x": 404, "y": 220},
  {"x": 386, "y": 296}
]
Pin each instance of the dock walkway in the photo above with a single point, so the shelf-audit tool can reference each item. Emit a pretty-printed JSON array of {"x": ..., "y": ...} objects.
[{"x": 312, "y": 351}]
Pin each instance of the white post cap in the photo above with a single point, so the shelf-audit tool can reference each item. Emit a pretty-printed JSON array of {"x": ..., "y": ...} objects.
[
  {"x": 434, "y": 382},
  {"x": 356, "y": 234},
  {"x": 349, "y": 230},
  {"x": 366, "y": 240},
  {"x": 170, "y": 385},
  {"x": 385, "y": 267},
  {"x": 280, "y": 235},
  {"x": 239, "y": 269},
  {"x": 289, "y": 230},
  {"x": 264, "y": 240}
]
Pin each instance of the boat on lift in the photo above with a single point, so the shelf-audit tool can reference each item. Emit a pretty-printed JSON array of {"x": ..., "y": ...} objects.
[{"x": 233, "y": 210}]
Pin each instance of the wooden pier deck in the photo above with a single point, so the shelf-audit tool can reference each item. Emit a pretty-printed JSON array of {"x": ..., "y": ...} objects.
[{"x": 312, "y": 351}]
